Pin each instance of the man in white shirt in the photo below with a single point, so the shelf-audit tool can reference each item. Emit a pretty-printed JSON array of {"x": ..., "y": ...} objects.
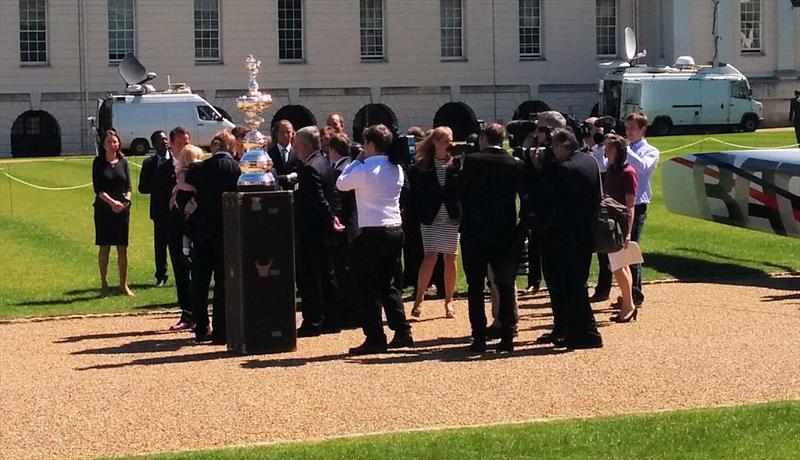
[
  {"x": 644, "y": 159},
  {"x": 376, "y": 252}
]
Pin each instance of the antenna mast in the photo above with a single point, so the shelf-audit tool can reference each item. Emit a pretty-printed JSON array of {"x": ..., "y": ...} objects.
[{"x": 715, "y": 33}]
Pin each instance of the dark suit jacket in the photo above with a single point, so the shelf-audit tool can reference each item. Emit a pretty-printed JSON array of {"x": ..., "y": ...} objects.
[
  {"x": 348, "y": 213},
  {"x": 281, "y": 169},
  {"x": 794, "y": 111},
  {"x": 215, "y": 176},
  {"x": 427, "y": 195},
  {"x": 316, "y": 201},
  {"x": 576, "y": 198},
  {"x": 488, "y": 186},
  {"x": 157, "y": 179}
]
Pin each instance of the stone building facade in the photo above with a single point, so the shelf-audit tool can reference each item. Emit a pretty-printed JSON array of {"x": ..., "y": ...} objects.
[{"x": 371, "y": 60}]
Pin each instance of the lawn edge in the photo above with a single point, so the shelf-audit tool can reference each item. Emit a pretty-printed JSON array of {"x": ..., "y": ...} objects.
[{"x": 39, "y": 319}]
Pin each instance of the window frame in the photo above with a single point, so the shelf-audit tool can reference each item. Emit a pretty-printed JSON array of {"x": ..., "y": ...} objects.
[
  {"x": 538, "y": 31},
  {"x": 116, "y": 61},
  {"x": 46, "y": 41},
  {"x": 443, "y": 28},
  {"x": 753, "y": 22},
  {"x": 614, "y": 27},
  {"x": 203, "y": 59},
  {"x": 362, "y": 29},
  {"x": 302, "y": 39}
]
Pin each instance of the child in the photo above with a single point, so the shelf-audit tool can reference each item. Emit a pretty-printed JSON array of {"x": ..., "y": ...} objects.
[{"x": 183, "y": 193}]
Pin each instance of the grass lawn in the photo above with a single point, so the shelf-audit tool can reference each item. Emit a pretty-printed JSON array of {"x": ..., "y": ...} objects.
[
  {"x": 770, "y": 431},
  {"x": 48, "y": 262}
]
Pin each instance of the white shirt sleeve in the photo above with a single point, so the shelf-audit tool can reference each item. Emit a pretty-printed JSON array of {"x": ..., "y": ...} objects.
[
  {"x": 351, "y": 178},
  {"x": 645, "y": 160}
]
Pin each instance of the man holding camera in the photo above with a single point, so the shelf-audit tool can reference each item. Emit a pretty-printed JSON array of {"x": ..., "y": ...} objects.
[
  {"x": 488, "y": 186},
  {"x": 594, "y": 144}
]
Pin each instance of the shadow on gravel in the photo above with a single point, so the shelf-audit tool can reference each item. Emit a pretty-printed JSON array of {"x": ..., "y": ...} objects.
[
  {"x": 141, "y": 346},
  {"x": 110, "y": 335},
  {"x": 208, "y": 356},
  {"x": 457, "y": 354},
  {"x": 290, "y": 362}
]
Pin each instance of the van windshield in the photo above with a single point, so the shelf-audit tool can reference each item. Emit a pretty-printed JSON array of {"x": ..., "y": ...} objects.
[
  {"x": 208, "y": 113},
  {"x": 612, "y": 95},
  {"x": 740, "y": 90}
]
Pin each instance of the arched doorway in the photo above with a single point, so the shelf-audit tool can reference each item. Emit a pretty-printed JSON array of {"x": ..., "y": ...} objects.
[
  {"x": 297, "y": 114},
  {"x": 529, "y": 107},
  {"x": 459, "y": 117},
  {"x": 372, "y": 114},
  {"x": 35, "y": 133}
]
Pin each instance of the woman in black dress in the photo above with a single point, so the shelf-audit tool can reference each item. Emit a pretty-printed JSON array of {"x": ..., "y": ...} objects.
[{"x": 112, "y": 187}]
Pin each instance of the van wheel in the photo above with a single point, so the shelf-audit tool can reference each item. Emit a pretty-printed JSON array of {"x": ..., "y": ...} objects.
[
  {"x": 140, "y": 147},
  {"x": 660, "y": 127},
  {"x": 749, "y": 123}
]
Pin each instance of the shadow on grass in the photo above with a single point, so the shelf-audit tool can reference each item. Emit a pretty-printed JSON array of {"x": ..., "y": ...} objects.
[
  {"x": 735, "y": 259},
  {"x": 689, "y": 269}
]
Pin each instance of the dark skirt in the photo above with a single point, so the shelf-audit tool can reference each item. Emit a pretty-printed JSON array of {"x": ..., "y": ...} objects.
[{"x": 110, "y": 228}]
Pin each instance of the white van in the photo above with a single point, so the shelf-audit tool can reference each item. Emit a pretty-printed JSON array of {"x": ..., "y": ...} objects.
[
  {"x": 682, "y": 95},
  {"x": 137, "y": 116}
]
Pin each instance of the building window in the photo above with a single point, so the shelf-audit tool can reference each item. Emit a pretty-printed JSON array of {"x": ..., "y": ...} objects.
[
  {"x": 121, "y": 23},
  {"x": 371, "y": 30},
  {"x": 452, "y": 26},
  {"x": 206, "y": 31},
  {"x": 530, "y": 28},
  {"x": 33, "y": 31},
  {"x": 750, "y": 19},
  {"x": 290, "y": 30},
  {"x": 606, "y": 27}
]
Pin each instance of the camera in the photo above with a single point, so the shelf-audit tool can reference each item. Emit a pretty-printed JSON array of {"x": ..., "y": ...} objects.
[
  {"x": 399, "y": 152},
  {"x": 458, "y": 151},
  {"x": 518, "y": 130}
]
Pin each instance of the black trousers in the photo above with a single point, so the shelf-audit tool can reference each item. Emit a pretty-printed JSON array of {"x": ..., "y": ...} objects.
[
  {"x": 568, "y": 266},
  {"x": 161, "y": 237},
  {"x": 639, "y": 218},
  {"x": 207, "y": 260},
  {"x": 534, "y": 260},
  {"x": 376, "y": 256},
  {"x": 180, "y": 265},
  {"x": 797, "y": 132},
  {"x": 476, "y": 256},
  {"x": 350, "y": 296},
  {"x": 316, "y": 282},
  {"x": 603, "y": 274}
]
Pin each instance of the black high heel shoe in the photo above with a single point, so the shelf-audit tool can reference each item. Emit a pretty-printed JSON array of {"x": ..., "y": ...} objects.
[{"x": 628, "y": 319}]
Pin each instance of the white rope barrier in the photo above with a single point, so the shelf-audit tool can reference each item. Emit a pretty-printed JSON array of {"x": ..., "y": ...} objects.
[
  {"x": 39, "y": 187},
  {"x": 714, "y": 139}
]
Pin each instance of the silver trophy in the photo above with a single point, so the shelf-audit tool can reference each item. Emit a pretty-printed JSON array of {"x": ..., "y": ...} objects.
[{"x": 256, "y": 165}]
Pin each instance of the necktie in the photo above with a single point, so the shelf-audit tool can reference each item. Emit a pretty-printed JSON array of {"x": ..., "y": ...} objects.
[{"x": 285, "y": 155}]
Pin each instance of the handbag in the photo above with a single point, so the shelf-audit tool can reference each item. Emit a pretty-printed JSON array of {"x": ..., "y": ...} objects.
[{"x": 610, "y": 225}]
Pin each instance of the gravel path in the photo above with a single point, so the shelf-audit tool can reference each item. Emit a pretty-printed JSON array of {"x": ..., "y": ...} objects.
[{"x": 119, "y": 385}]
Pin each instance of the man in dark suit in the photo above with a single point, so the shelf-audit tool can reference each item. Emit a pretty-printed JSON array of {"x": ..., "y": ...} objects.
[
  {"x": 575, "y": 188},
  {"x": 794, "y": 114},
  {"x": 488, "y": 187},
  {"x": 349, "y": 294},
  {"x": 284, "y": 159},
  {"x": 155, "y": 180},
  {"x": 316, "y": 226},
  {"x": 215, "y": 176}
]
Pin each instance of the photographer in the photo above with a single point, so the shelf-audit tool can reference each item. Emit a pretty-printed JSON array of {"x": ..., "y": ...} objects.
[
  {"x": 377, "y": 182},
  {"x": 488, "y": 186},
  {"x": 594, "y": 142}
]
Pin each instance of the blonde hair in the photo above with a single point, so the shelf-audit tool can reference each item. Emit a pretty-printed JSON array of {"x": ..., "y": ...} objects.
[
  {"x": 226, "y": 140},
  {"x": 426, "y": 147},
  {"x": 191, "y": 154}
]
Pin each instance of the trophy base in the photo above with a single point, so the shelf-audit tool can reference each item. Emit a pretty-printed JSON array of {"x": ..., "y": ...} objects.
[{"x": 257, "y": 188}]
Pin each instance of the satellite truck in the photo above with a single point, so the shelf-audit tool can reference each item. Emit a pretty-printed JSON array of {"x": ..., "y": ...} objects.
[
  {"x": 716, "y": 97},
  {"x": 141, "y": 110}
]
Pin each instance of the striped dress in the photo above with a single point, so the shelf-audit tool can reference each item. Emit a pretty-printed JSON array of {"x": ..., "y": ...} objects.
[{"x": 442, "y": 235}]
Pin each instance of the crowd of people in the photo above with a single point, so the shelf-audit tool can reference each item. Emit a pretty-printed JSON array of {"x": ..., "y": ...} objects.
[{"x": 369, "y": 223}]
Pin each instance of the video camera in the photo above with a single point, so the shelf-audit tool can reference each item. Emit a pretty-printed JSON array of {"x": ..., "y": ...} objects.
[
  {"x": 403, "y": 147},
  {"x": 458, "y": 151}
]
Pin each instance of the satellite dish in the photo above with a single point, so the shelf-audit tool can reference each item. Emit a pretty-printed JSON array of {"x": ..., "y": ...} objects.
[
  {"x": 133, "y": 72},
  {"x": 630, "y": 44}
]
